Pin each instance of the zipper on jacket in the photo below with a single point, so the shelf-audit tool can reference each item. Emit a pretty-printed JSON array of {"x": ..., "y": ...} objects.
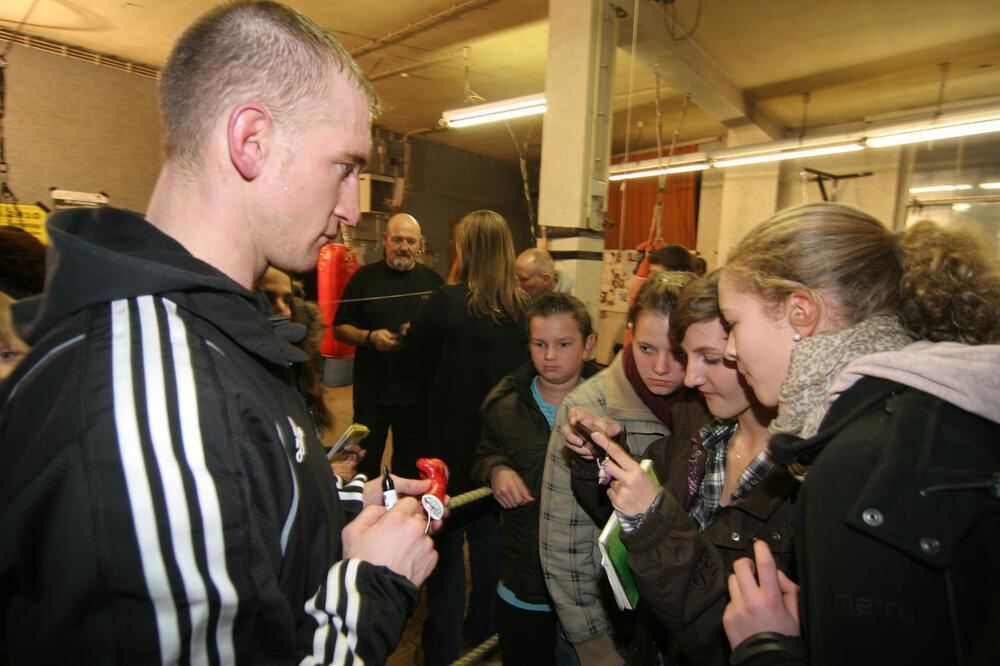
[{"x": 992, "y": 484}]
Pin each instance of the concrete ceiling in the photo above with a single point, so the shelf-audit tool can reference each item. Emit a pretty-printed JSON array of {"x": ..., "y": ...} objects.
[{"x": 857, "y": 59}]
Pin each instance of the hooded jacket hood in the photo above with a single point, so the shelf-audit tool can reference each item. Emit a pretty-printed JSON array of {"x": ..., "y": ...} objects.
[
  {"x": 99, "y": 255},
  {"x": 967, "y": 376}
]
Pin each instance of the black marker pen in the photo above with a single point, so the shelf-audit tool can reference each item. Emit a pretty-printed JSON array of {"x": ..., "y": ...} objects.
[{"x": 388, "y": 489}]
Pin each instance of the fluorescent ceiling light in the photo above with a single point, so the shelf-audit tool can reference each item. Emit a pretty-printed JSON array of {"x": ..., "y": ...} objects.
[
  {"x": 939, "y": 188},
  {"x": 990, "y": 186},
  {"x": 961, "y": 206},
  {"x": 935, "y": 133},
  {"x": 517, "y": 107},
  {"x": 789, "y": 155},
  {"x": 646, "y": 173}
]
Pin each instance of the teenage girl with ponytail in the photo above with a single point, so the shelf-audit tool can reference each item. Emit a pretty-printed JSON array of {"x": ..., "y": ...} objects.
[{"x": 897, "y": 524}]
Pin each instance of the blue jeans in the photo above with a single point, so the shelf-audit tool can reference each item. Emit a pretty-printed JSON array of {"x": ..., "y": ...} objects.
[{"x": 445, "y": 628}]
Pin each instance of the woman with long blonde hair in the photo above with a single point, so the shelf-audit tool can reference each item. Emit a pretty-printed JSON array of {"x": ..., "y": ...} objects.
[{"x": 463, "y": 341}]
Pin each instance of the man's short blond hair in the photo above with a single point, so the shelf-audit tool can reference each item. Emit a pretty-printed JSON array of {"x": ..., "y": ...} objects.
[{"x": 248, "y": 52}]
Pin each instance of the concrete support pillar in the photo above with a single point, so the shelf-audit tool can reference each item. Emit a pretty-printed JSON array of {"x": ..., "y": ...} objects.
[{"x": 575, "y": 143}]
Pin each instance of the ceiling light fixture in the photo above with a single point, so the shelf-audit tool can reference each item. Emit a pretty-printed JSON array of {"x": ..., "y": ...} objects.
[
  {"x": 939, "y": 188},
  {"x": 667, "y": 170},
  {"x": 961, "y": 206},
  {"x": 517, "y": 107},
  {"x": 952, "y": 131},
  {"x": 789, "y": 155},
  {"x": 968, "y": 121}
]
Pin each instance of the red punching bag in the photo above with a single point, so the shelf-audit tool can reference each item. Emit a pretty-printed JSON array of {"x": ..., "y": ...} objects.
[{"x": 337, "y": 263}]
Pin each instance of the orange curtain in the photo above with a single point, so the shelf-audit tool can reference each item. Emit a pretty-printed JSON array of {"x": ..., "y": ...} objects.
[{"x": 680, "y": 207}]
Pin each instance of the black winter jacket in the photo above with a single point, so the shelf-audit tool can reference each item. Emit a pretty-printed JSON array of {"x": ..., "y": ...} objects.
[
  {"x": 516, "y": 434},
  {"x": 461, "y": 357},
  {"x": 898, "y": 531},
  {"x": 163, "y": 497}
]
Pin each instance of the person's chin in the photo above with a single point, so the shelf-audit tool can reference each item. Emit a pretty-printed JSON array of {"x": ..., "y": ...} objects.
[{"x": 403, "y": 264}]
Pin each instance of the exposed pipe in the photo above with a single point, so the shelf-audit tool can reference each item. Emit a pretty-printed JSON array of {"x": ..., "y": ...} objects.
[
  {"x": 446, "y": 55},
  {"x": 417, "y": 26}
]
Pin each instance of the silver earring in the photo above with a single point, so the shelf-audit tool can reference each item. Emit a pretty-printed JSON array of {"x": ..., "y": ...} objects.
[{"x": 797, "y": 337}]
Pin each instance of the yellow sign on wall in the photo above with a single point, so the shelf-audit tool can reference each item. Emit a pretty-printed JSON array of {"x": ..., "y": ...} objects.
[{"x": 28, "y": 217}]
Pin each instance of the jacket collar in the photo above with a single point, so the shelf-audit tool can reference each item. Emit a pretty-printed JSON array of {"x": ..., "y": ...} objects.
[{"x": 107, "y": 254}]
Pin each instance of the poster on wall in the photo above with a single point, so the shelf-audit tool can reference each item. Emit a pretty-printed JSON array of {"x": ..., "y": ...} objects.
[
  {"x": 616, "y": 276},
  {"x": 31, "y": 218}
]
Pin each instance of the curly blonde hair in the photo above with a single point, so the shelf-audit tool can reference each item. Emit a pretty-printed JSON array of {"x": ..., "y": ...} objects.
[
  {"x": 950, "y": 288},
  {"x": 940, "y": 282}
]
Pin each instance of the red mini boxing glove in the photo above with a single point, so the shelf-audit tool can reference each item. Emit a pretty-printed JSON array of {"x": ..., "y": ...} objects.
[{"x": 433, "y": 500}]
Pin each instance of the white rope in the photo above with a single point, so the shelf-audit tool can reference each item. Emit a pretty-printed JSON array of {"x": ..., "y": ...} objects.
[
  {"x": 476, "y": 654},
  {"x": 469, "y": 497},
  {"x": 376, "y": 298}
]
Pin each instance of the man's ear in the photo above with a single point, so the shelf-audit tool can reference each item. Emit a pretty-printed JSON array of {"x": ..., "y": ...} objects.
[
  {"x": 247, "y": 133},
  {"x": 804, "y": 312}
]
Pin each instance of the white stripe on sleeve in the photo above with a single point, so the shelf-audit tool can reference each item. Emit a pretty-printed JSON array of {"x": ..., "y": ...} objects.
[
  {"x": 139, "y": 494},
  {"x": 205, "y": 488}
]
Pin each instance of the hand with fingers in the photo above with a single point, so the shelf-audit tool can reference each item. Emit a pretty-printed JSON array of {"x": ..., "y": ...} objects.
[
  {"x": 372, "y": 494},
  {"x": 393, "y": 538},
  {"x": 384, "y": 340},
  {"x": 631, "y": 490},
  {"x": 572, "y": 432},
  {"x": 345, "y": 463},
  {"x": 509, "y": 488},
  {"x": 767, "y": 601}
]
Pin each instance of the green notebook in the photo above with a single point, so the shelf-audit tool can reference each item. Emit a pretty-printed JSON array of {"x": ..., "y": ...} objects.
[{"x": 614, "y": 554}]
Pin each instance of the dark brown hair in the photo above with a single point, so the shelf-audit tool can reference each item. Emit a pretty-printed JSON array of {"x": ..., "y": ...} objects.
[
  {"x": 555, "y": 303},
  {"x": 22, "y": 263},
  {"x": 698, "y": 302}
]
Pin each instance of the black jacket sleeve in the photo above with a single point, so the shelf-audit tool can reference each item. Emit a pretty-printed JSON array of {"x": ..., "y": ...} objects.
[
  {"x": 490, "y": 451},
  {"x": 590, "y": 495}
]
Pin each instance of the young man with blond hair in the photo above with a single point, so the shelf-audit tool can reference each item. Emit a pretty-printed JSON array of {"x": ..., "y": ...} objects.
[{"x": 177, "y": 506}]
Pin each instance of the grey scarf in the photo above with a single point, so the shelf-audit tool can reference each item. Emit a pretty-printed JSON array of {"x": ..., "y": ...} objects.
[{"x": 816, "y": 362}]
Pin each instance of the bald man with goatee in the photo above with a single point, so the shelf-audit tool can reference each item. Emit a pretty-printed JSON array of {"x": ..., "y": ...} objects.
[{"x": 379, "y": 302}]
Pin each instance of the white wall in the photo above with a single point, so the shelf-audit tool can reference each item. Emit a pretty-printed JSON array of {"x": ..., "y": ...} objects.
[{"x": 878, "y": 194}]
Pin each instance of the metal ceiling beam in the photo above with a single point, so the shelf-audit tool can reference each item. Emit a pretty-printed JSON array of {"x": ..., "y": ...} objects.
[{"x": 687, "y": 68}]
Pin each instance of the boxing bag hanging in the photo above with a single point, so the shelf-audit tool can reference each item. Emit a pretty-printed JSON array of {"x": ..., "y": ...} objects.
[{"x": 337, "y": 263}]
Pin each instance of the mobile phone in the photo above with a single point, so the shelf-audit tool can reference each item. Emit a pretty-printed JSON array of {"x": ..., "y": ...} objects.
[
  {"x": 585, "y": 434},
  {"x": 354, "y": 433}
]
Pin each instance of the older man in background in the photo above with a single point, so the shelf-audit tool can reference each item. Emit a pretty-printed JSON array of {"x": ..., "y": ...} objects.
[
  {"x": 537, "y": 274},
  {"x": 378, "y": 303}
]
